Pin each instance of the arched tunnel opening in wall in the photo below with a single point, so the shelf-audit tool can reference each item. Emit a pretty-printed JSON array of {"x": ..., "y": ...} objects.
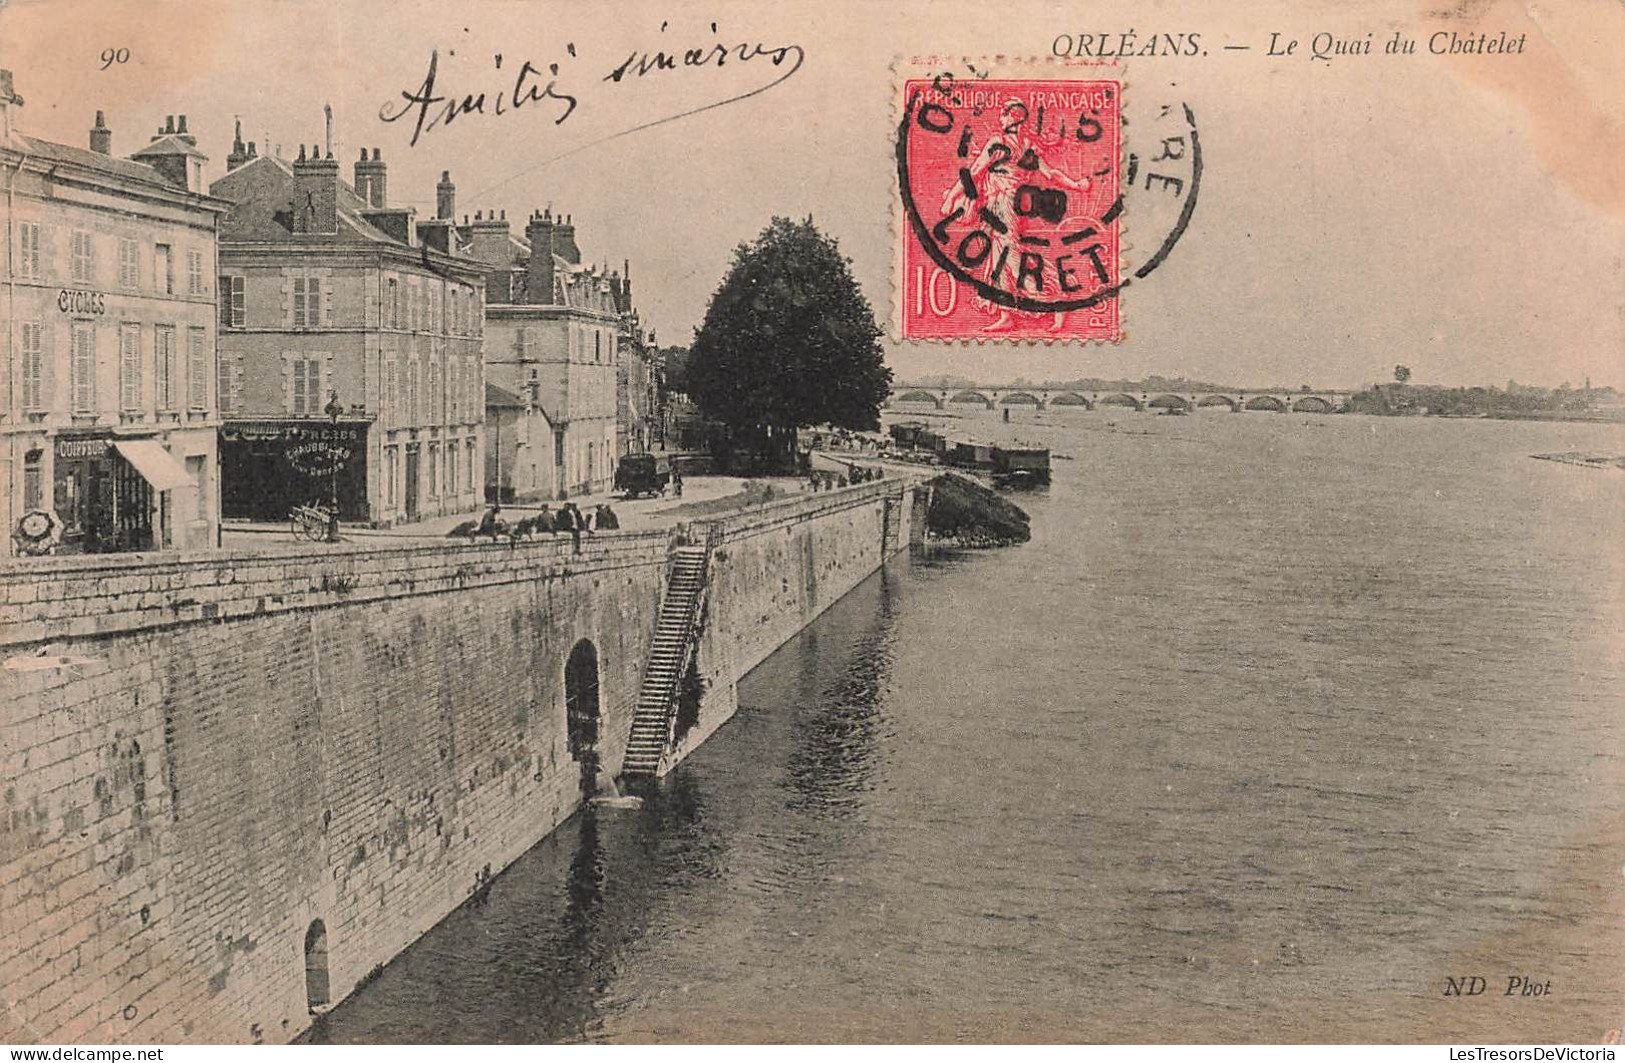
[
  {"x": 581, "y": 711},
  {"x": 318, "y": 994}
]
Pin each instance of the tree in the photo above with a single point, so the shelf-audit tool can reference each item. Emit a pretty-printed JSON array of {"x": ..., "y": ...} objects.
[
  {"x": 1402, "y": 373},
  {"x": 788, "y": 340}
]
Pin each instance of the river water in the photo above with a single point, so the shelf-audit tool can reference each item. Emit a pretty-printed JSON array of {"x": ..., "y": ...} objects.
[{"x": 1277, "y": 723}]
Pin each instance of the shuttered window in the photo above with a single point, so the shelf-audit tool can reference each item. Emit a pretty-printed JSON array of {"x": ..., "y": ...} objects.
[
  {"x": 129, "y": 367},
  {"x": 165, "y": 358},
  {"x": 33, "y": 366},
  {"x": 197, "y": 369}
]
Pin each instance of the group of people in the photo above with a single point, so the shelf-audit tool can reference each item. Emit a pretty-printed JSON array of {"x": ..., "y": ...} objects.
[
  {"x": 568, "y": 518},
  {"x": 820, "y": 480}
]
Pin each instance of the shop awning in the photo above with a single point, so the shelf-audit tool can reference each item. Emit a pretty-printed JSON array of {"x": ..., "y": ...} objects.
[{"x": 155, "y": 464}]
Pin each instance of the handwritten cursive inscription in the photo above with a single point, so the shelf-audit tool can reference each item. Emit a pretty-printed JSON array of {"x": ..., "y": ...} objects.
[
  {"x": 429, "y": 108},
  {"x": 432, "y": 110}
]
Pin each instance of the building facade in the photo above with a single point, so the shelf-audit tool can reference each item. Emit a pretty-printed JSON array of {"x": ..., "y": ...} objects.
[
  {"x": 350, "y": 347},
  {"x": 552, "y": 328},
  {"x": 109, "y": 423}
]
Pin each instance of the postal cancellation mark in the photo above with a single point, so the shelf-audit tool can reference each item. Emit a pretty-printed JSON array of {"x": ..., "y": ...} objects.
[{"x": 1009, "y": 191}]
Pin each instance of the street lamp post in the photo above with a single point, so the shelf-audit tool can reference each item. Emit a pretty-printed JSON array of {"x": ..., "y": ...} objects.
[{"x": 333, "y": 409}]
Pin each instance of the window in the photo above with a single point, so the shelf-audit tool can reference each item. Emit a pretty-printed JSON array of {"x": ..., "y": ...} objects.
[
  {"x": 194, "y": 273},
  {"x": 391, "y": 410},
  {"x": 232, "y": 306},
  {"x": 456, "y": 391},
  {"x": 434, "y": 470},
  {"x": 33, "y": 367},
  {"x": 84, "y": 257},
  {"x": 392, "y": 304},
  {"x": 472, "y": 482},
  {"x": 129, "y": 264},
  {"x": 83, "y": 368},
  {"x": 129, "y": 366},
  {"x": 163, "y": 269},
  {"x": 451, "y": 468},
  {"x": 196, "y": 469},
  {"x": 307, "y": 386},
  {"x": 435, "y": 394},
  {"x": 597, "y": 338},
  {"x": 28, "y": 264},
  {"x": 414, "y": 415},
  {"x": 391, "y": 458},
  {"x": 307, "y": 302},
  {"x": 34, "y": 480},
  {"x": 197, "y": 368},
  {"x": 222, "y": 382},
  {"x": 165, "y": 359}
]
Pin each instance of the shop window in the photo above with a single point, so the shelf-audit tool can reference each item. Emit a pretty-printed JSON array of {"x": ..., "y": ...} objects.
[{"x": 34, "y": 480}]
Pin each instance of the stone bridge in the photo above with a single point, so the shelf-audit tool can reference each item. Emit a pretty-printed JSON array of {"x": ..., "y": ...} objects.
[{"x": 991, "y": 397}]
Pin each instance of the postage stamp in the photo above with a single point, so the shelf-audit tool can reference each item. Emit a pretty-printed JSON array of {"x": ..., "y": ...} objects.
[{"x": 1011, "y": 208}]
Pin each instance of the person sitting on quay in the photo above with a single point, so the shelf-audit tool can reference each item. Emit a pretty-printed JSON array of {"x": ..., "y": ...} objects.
[
  {"x": 543, "y": 521},
  {"x": 488, "y": 522},
  {"x": 605, "y": 518}
]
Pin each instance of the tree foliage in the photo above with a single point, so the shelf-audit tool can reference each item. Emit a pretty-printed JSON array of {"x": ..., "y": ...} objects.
[{"x": 788, "y": 340}]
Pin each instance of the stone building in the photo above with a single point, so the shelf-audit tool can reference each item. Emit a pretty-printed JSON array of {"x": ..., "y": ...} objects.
[
  {"x": 552, "y": 328},
  {"x": 108, "y": 422},
  {"x": 350, "y": 346},
  {"x": 637, "y": 375}
]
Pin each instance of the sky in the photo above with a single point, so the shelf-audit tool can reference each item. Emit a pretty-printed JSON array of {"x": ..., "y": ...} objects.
[{"x": 1464, "y": 216}]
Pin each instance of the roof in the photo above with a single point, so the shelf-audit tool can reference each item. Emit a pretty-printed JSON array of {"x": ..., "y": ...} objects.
[
  {"x": 266, "y": 187},
  {"x": 169, "y": 145},
  {"x": 502, "y": 398},
  {"x": 121, "y": 169}
]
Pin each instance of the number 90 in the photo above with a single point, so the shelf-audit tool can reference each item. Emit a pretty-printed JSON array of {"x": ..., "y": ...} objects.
[{"x": 114, "y": 55}]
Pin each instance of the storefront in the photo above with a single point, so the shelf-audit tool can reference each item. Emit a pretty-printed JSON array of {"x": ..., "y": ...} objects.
[
  {"x": 269, "y": 467},
  {"x": 114, "y": 494}
]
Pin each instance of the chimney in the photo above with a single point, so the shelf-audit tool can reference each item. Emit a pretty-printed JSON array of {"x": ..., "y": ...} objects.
[
  {"x": 101, "y": 138},
  {"x": 542, "y": 235},
  {"x": 173, "y": 153},
  {"x": 238, "y": 154},
  {"x": 370, "y": 177},
  {"x": 8, "y": 100},
  {"x": 316, "y": 197},
  {"x": 626, "y": 280},
  {"x": 564, "y": 242},
  {"x": 445, "y": 197}
]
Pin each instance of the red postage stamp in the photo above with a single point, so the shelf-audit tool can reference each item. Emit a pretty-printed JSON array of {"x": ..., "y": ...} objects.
[{"x": 1011, "y": 209}]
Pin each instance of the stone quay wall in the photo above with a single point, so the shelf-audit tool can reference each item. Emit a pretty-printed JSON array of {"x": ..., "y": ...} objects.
[{"x": 208, "y": 759}]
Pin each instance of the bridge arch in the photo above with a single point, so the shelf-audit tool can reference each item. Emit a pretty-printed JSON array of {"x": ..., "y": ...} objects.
[
  {"x": 1021, "y": 398},
  {"x": 971, "y": 396},
  {"x": 1313, "y": 404},
  {"x": 1118, "y": 398},
  {"x": 1169, "y": 402},
  {"x": 1216, "y": 400},
  {"x": 1070, "y": 398},
  {"x": 916, "y": 395},
  {"x": 1265, "y": 402}
]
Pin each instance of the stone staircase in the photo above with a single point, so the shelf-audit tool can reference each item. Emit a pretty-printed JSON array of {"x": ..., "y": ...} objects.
[{"x": 668, "y": 658}]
